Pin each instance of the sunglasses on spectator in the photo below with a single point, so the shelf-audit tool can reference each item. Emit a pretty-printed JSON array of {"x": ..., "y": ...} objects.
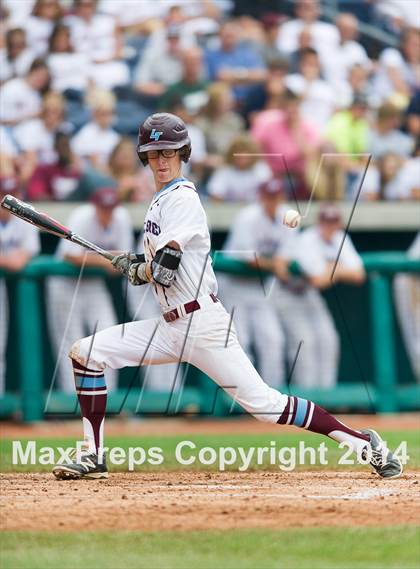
[{"x": 166, "y": 153}]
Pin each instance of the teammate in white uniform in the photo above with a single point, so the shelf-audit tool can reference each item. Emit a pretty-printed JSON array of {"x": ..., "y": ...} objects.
[
  {"x": 257, "y": 236},
  {"x": 83, "y": 307},
  {"x": 19, "y": 241},
  {"x": 304, "y": 313},
  {"x": 194, "y": 326}
]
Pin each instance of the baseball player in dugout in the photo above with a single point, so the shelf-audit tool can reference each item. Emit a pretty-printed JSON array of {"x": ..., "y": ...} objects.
[{"x": 194, "y": 326}]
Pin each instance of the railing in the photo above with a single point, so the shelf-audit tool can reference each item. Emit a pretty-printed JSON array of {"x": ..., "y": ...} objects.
[{"x": 385, "y": 393}]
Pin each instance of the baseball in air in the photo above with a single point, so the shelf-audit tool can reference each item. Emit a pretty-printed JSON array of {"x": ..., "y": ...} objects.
[{"x": 292, "y": 218}]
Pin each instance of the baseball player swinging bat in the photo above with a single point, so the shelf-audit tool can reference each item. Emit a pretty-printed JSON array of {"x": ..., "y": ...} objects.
[{"x": 46, "y": 223}]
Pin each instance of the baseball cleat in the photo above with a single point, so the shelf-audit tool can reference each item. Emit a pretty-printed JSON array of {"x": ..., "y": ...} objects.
[
  {"x": 89, "y": 466},
  {"x": 383, "y": 461}
]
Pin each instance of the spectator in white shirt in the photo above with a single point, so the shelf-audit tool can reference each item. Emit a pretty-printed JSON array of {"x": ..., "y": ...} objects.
[
  {"x": 35, "y": 137},
  {"x": 244, "y": 172},
  {"x": 348, "y": 53},
  {"x": 41, "y": 23},
  {"x": 160, "y": 65},
  {"x": 99, "y": 38},
  {"x": 386, "y": 137},
  {"x": 325, "y": 37},
  {"x": 15, "y": 58},
  {"x": 21, "y": 98},
  {"x": 97, "y": 139},
  {"x": 69, "y": 69},
  {"x": 8, "y": 154},
  {"x": 398, "y": 71},
  {"x": 317, "y": 96}
]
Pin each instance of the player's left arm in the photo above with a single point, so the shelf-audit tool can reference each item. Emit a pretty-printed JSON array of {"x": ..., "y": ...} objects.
[{"x": 350, "y": 267}]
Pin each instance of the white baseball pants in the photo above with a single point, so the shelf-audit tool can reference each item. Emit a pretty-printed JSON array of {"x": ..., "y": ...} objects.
[
  {"x": 202, "y": 338},
  {"x": 307, "y": 322}
]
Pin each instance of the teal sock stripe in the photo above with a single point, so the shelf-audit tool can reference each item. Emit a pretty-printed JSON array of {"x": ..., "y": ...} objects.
[
  {"x": 302, "y": 407},
  {"x": 94, "y": 382}
]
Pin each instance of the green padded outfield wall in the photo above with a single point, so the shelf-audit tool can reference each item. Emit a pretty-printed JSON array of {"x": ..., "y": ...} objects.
[{"x": 349, "y": 306}]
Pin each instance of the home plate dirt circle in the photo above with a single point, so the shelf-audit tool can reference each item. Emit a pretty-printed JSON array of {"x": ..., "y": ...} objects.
[{"x": 202, "y": 501}]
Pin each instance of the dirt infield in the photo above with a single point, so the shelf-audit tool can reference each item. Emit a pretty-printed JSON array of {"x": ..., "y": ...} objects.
[{"x": 203, "y": 501}]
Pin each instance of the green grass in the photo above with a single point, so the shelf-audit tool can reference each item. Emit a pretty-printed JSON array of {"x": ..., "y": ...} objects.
[
  {"x": 168, "y": 445},
  {"x": 315, "y": 548}
]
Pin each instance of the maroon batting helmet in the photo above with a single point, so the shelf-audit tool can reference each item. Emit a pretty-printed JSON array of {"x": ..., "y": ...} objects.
[{"x": 163, "y": 131}]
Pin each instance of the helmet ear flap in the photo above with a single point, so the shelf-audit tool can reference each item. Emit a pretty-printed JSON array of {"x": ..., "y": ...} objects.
[
  {"x": 185, "y": 153},
  {"x": 142, "y": 157}
]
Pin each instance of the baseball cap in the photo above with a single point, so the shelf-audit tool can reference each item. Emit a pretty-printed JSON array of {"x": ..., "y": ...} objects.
[
  {"x": 9, "y": 185},
  {"x": 105, "y": 197},
  {"x": 271, "y": 188},
  {"x": 329, "y": 213}
]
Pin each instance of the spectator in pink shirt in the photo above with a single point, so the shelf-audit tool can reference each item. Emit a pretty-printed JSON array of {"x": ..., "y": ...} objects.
[{"x": 291, "y": 144}]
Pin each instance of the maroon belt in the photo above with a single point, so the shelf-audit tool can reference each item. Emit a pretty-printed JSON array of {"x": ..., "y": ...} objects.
[{"x": 189, "y": 307}]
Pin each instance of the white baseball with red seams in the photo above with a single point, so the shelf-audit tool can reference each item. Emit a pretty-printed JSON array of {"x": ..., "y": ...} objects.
[{"x": 292, "y": 218}]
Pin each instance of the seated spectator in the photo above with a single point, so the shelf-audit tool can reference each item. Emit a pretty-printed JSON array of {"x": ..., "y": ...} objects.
[
  {"x": 218, "y": 122},
  {"x": 98, "y": 37},
  {"x": 39, "y": 25},
  {"x": 191, "y": 89},
  {"x": 267, "y": 95},
  {"x": 348, "y": 131},
  {"x": 35, "y": 138},
  {"x": 133, "y": 184},
  {"x": 69, "y": 69},
  {"x": 16, "y": 57},
  {"x": 357, "y": 83},
  {"x": 318, "y": 97},
  {"x": 397, "y": 73},
  {"x": 399, "y": 179},
  {"x": 21, "y": 98},
  {"x": 58, "y": 180},
  {"x": 385, "y": 138},
  {"x": 291, "y": 143},
  {"x": 97, "y": 139},
  {"x": 199, "y": 160},
  {"x": 135, "y": 18},
  {"x": 269, "y": 49},
  {"x": 159, "y": 66},
  {"x": 349, "y": 52},
  {"x": 243, "y": 173},
  {"x": 412, "y": 115},
  {"x": 236, "y": 63},
  {"x": 396, "y": 15},
  {"x": 8, "y": 154},
  {"x": 325, "y": 37}
]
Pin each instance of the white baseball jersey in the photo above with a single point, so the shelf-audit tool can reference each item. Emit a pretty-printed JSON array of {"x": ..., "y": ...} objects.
[
  {"x": 116, "y": 237},
  {"x": 17, "y": 235},
  {"x": 176, "y": 214},
  {"x": 314, "y": 253}
]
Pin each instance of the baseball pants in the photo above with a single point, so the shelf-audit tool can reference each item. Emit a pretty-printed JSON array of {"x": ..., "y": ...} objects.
[
  {"x": 308, "y": 323},
  {"x": 75, "y": 312},
  {"x": 144, "y": 306},
  {"x": 258, "y": 327},
  {"x": 407, "y": 304},
  {"x": 202, "y": 339}
]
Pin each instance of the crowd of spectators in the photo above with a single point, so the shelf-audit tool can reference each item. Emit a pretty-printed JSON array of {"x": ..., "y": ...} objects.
[{"x": 264, "y": 93}]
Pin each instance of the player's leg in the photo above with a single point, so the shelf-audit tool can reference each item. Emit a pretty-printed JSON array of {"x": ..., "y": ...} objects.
[
  {"x": 142, "y": 305},
  {"x": 269, "y": 344},
  {"x": 4, "y": 320},
  {"x": 301, "y": 341},
  {"x": 327, "y": 339},
  {"x": 131, "y": 344},
  {"x": 230, "y": 368}
]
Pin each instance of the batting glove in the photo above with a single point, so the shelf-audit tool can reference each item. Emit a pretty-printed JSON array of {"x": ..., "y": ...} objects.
[{"x": 122, "y": 262}]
